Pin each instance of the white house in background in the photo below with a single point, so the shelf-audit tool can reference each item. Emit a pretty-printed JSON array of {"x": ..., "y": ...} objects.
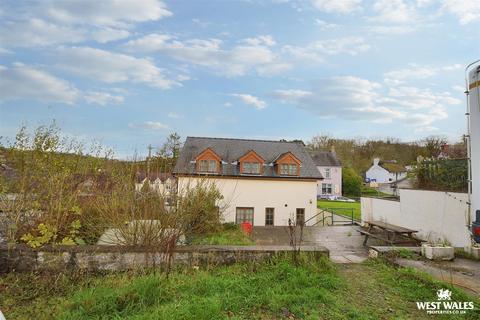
[
  {"x": 262, "y": 182},
  {"x": 330, "y": 168},
  {"x": 163, "y": 183},
  {"x": 385, "y": 171}
]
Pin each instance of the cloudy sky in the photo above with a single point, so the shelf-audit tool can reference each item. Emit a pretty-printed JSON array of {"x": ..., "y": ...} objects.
[{"x": 129, "y": 72}]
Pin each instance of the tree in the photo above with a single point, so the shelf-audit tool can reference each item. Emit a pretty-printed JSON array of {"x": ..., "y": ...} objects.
[
  {"x": 433, "y": 145},
  {"x": 171, "y": 147},
  {"x": 351, "y": 182}
]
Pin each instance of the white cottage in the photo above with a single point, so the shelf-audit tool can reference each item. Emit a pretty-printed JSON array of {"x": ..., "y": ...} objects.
[
  {"x": 385, "y": 172},
  {"x": 262, "y": 182}
]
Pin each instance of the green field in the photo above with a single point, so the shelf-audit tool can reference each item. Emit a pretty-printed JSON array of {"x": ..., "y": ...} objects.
[
  {"x": 341, "y": 208},
  {"x": 270, "y": 290}
]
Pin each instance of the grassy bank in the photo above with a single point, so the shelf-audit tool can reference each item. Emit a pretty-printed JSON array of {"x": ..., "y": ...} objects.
[
  {"x": 341, "y": 208},
  {"x": 230, "y": 234},
  {"x": 273, "y": 290}
]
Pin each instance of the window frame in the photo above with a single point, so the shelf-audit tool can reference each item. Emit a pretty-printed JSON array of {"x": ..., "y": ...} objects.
[
  {"x": 291, "y": 169},
  {"x": 269, "y": 216},
  {"x": 250, "y": 165},
  {"x": 244, "y": 218},
  {"x": 325, "y": 187},
  {"x": 206, "y": 168},
  {"x": 300, "y": 211},
  {"x": 328, "y": 173}
]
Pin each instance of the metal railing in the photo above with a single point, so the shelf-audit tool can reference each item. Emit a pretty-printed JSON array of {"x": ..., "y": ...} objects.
[{"x": 336, "y": 216}]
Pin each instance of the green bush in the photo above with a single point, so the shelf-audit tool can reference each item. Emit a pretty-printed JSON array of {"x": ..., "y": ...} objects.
[{"x": 351, "y": 182}]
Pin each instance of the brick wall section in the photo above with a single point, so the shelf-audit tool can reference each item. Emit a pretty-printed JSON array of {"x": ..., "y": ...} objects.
[{"x": 21, "y": 258}]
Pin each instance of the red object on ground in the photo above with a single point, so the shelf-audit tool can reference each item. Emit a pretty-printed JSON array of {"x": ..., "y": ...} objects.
[
  {"x": 476, "y": 231},
  {"x": 246, "y": 227}
]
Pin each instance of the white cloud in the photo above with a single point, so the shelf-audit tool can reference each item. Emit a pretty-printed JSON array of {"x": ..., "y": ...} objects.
[
  {"x": 50, "y": 22},
  {"x": 389, "y": 30},
  {"x": 414, "y": 72},
  {"x": 358, "y": 99},
  {"x": 467, "y": 11},
  {"x": 110, "y": 13},
  {"x": 318, "y": 50},
  {"x": 209, "y": 53},
  {"x": 148, "y": 125},
  {"x": 227, "y": 104},
  {"x": 36, "y": 32},
  {"x": 337, "y": 6},
  {"x": 112, "y": 67},
  {"x": 174, "y": 115},
  {"x": 265, "y": 40},
  {"x": 394, "y": 11},
  {"x": 291, "y": 94},
  {"x": 102, "y": 98},
  {"x": 325, "y": 25},
  {"x": 22, "y": 81},
  {"x": 250, "y": 100},
  {"x": 108, "y": 34},
  {"x": 25, "y": 82}
]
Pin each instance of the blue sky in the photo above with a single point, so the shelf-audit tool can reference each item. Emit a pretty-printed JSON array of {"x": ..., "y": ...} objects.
[{"x": 127, "y": 73}]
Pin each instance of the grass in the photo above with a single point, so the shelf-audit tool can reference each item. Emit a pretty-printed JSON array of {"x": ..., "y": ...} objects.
[
  {"x": 228, "y": 235},
  {"x": 371, "y": 192},
  {"x": 270, "y": 290},
  {"x": 341, "y": 208}
]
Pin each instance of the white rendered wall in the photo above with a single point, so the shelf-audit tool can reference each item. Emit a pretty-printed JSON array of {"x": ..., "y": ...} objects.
[
  {"x": 261, "y": 194},
  {"x": 383, "y": 176},
  {"x": 436, "y": 215},
  {"x": 474, "y": 119}
]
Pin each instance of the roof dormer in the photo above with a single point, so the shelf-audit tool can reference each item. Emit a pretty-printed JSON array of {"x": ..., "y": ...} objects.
[
  {"x": 287, "y": 164},
  {"x": 251, "y": 163},
  {"x": 208, "y": 162}
]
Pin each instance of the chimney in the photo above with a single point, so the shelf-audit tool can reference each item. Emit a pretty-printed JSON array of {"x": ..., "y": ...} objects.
[
  {"x": 376, "y": 161},
  {"x": 332, "y": 149}
]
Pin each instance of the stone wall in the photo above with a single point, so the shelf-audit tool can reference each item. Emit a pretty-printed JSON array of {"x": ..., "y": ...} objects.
[{"x": 21, "y": 258}]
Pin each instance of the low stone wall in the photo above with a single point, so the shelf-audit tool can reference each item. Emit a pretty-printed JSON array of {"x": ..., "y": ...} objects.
[{"x": 21, "y": 258}]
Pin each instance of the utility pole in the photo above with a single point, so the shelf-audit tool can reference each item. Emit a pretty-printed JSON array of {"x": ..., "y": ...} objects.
[{"x": 148, "y": 159}]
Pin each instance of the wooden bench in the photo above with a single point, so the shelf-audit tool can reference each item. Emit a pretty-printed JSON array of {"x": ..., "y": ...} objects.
[{"x": 388, "y": 233}]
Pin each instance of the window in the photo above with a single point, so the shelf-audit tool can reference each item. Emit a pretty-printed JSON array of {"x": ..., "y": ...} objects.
[
  {"x": 244, "y": 215},
  {"x": 327, "y": 173},
  {"x": 288, "y": 169},
  {"x": 251, "y": 167},
  {"x": 326, "y": 188},
  {"x": 300, "y": 217},
  {"x": 207, "y": 166},
  {"x": 269, "y": 213}
]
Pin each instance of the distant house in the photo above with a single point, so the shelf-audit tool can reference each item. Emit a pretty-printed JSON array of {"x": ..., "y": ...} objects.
[
  {"x": 164, "y": 183},
  {"x": 330, "y": 168},
  {"x": 385, "y": 171},
  {"x": 262, "y": 182}
]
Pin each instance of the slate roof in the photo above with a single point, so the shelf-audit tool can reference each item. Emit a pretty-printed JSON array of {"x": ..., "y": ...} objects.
[
  {"x": 230, "y": 150},
  {"x": 326, "y": 159},
  {"x": 392, "y": 167}
]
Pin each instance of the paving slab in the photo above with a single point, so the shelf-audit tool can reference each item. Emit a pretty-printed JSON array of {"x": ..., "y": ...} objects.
[{"x": 344, "y": 242}]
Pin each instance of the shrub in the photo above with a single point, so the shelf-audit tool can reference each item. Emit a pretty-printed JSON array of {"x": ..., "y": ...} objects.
[{"x": 351, "y": 182}]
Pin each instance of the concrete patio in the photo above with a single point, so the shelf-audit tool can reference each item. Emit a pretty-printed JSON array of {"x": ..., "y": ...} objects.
[{"x": 343, "y": 242}]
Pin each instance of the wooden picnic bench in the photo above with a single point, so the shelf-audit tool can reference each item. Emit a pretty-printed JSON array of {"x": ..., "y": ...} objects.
[{"x": 388, "y": 233}]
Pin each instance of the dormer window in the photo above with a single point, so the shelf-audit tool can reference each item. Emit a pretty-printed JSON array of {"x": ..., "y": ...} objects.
[
  {"x": 288, "y": 169},
  {"x": 251, "y": 163},
  {"x": 208, "y": 162},
  {"x": 209, "y": 166},
  {"x": 288, "y": 165},
  {"x": 251, "y": 167}
]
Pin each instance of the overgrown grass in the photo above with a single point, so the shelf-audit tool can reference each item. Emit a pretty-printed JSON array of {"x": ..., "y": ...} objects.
[
  {"x": 228, "y": 235},
  {"x": 341, "y": 208},
  {"x": 271, "y": 290}
]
